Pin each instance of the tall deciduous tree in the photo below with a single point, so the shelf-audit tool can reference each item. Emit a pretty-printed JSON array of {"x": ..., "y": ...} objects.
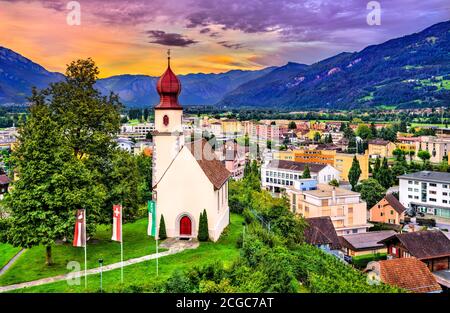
[
  {"x": 354, "y": 173},
  {"x": 371, "y": 191},
  {"x": 52, "y": 183}
]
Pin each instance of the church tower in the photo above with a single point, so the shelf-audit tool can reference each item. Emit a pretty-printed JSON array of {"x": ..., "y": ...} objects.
[{"x": 168, "y": 135}]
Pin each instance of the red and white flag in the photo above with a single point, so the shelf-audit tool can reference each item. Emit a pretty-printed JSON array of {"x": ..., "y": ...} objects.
[
  {"x": 117, "y": 223},
  {"x": 79, "y": 238}
]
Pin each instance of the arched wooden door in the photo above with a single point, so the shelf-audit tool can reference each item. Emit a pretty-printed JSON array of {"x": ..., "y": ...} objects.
[{"x": 185, "y": 226}]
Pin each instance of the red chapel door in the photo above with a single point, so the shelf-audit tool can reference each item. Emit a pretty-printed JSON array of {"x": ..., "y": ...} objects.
[{"x": 185, "y": 226}]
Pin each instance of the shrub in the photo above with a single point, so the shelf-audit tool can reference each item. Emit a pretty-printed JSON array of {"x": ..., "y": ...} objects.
[
  {"x": 162, "y": 229},
  {"x": 203, "y": 234}
]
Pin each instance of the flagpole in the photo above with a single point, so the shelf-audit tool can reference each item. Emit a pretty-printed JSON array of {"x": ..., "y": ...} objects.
[
  {"x": 121, "y": 243},
  {"x": 85, "y": 251}
]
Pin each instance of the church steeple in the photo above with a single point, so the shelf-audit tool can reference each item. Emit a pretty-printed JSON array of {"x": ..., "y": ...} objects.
[{"x": 168, "y": 87}]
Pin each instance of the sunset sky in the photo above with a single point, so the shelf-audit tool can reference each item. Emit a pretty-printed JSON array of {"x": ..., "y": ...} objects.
[{"x": 131, "y": 37}]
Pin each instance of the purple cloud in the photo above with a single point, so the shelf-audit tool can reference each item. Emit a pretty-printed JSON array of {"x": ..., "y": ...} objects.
[
  {"x": 230, "y": 45},
  {"x": 169, "y": 39}
]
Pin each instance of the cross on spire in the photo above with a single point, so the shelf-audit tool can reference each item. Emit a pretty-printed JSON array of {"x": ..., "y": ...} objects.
[{"x": 168, "y": 57}]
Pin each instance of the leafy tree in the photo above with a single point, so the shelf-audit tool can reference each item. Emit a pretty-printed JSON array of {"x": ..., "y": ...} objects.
[
  {"x": 306, "y": 172},
  {"x": 88, "y": 123},
  {"x": 269, "y": 144},
  {"x": 317, "y": 136},
  {"x": 354, "y": 173},
  {"x": 124, "y": 183},
  {"x": 424, "y": 155},
  {"x": 52, "y": 183},
  {"x": 292, "y": 125},
  {"x": 162, "y": 229},
  {"x": 371, "y": 191},
  {"x": 203, "y": 234},
  {"x": 364, "y": 131},
  {"x": 334, "y": 182}
]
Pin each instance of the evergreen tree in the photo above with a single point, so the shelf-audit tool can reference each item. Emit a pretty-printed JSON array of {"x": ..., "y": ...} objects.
[
  {"x": 354, "y": 173},
  {"x": 162, "y": 229},
  {"x": 146, "y": 114},
  {"x": 373, "y": 130},
  {"x": 385, "y": 175},
  {"x": 376, "y": 169},
  {"x": 203, "y": 234},
  {"x": 306, "y": 172}
]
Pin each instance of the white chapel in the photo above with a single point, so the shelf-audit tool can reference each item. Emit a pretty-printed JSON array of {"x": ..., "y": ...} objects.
[{"x": 187, "y": 177}]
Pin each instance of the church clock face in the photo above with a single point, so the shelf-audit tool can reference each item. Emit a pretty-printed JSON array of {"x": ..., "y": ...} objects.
[{"x": 165, "y": 120}]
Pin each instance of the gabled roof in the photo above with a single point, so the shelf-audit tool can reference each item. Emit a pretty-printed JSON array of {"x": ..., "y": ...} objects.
[
  {"x": 206, "y": 158},
  {"x": 367, "y": 240},
  {"x": 320, "y": 231},
  {"x": 423, "y": 244},
  {"x": 395, "y": 204},
  {"x": 408, "y": 273}
]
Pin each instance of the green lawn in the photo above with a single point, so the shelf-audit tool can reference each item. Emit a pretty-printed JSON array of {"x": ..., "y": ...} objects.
[
  {"x": 31, "y": 264},
  {"x": 143, "y": 274},
  {"x": 6, "y": 253}
]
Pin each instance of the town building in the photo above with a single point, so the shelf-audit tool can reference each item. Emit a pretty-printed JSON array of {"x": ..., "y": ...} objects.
[
  {"x": 408, "y": 273},
  {"x": 388, "y": 210},
  {"x": 277, "y": 175},
  {"x": 438, "y": 147},
  {"x": 137, "y": 131},
  {"x": 365, "y": 243},
  {"x": 187, "y": 178},
  {"x": 379, "y": 148},
  {"x": 341, "y": 161},
  {"x": 432, "y": 247},
  {"x": 345, "y": 208},
  {"x": 234, "y": 158},
  {"x": 426, "y": 192}
]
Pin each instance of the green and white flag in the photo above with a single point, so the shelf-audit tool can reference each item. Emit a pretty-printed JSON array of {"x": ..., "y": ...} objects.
[{"x": 151, "y": 230}]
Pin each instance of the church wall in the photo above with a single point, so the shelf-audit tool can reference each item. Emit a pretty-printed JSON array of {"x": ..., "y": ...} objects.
[{"x": 186, "y": 189}]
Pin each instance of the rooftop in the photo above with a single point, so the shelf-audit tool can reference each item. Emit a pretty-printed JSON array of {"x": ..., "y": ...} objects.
[
  {"x": 366, "y": 240},
  {"x": 320, "y": 231},
  {"x": 395, "y": 204},
  {"x": 440, "y": 177},
  {"x": 296, "y": 166},
  {"x": 326, "y": 191},
  {"x": 408, "y": 273},
  {"x": 423, "y": 244}
]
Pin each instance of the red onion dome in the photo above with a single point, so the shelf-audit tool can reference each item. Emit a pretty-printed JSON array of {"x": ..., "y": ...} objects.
[{"x": 168, "y": 87}]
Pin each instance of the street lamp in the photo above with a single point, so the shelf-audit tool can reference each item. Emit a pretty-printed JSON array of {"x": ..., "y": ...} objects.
[{"x": 100, "y": 262}]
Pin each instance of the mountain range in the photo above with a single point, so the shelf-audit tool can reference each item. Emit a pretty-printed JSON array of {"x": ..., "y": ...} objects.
[{"x": 407, "y": 72}]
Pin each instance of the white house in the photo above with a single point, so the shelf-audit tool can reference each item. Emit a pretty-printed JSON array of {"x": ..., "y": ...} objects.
[
  {"x": 277, "y": 175},
  {"x": 426, "y": 192},
  {"x": 187, "y": 178}
]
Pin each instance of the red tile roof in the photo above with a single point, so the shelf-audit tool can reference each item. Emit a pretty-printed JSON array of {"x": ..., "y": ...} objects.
[
  {"x": 408, "y": 273},
  {"x": 206, "y": 158}
]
